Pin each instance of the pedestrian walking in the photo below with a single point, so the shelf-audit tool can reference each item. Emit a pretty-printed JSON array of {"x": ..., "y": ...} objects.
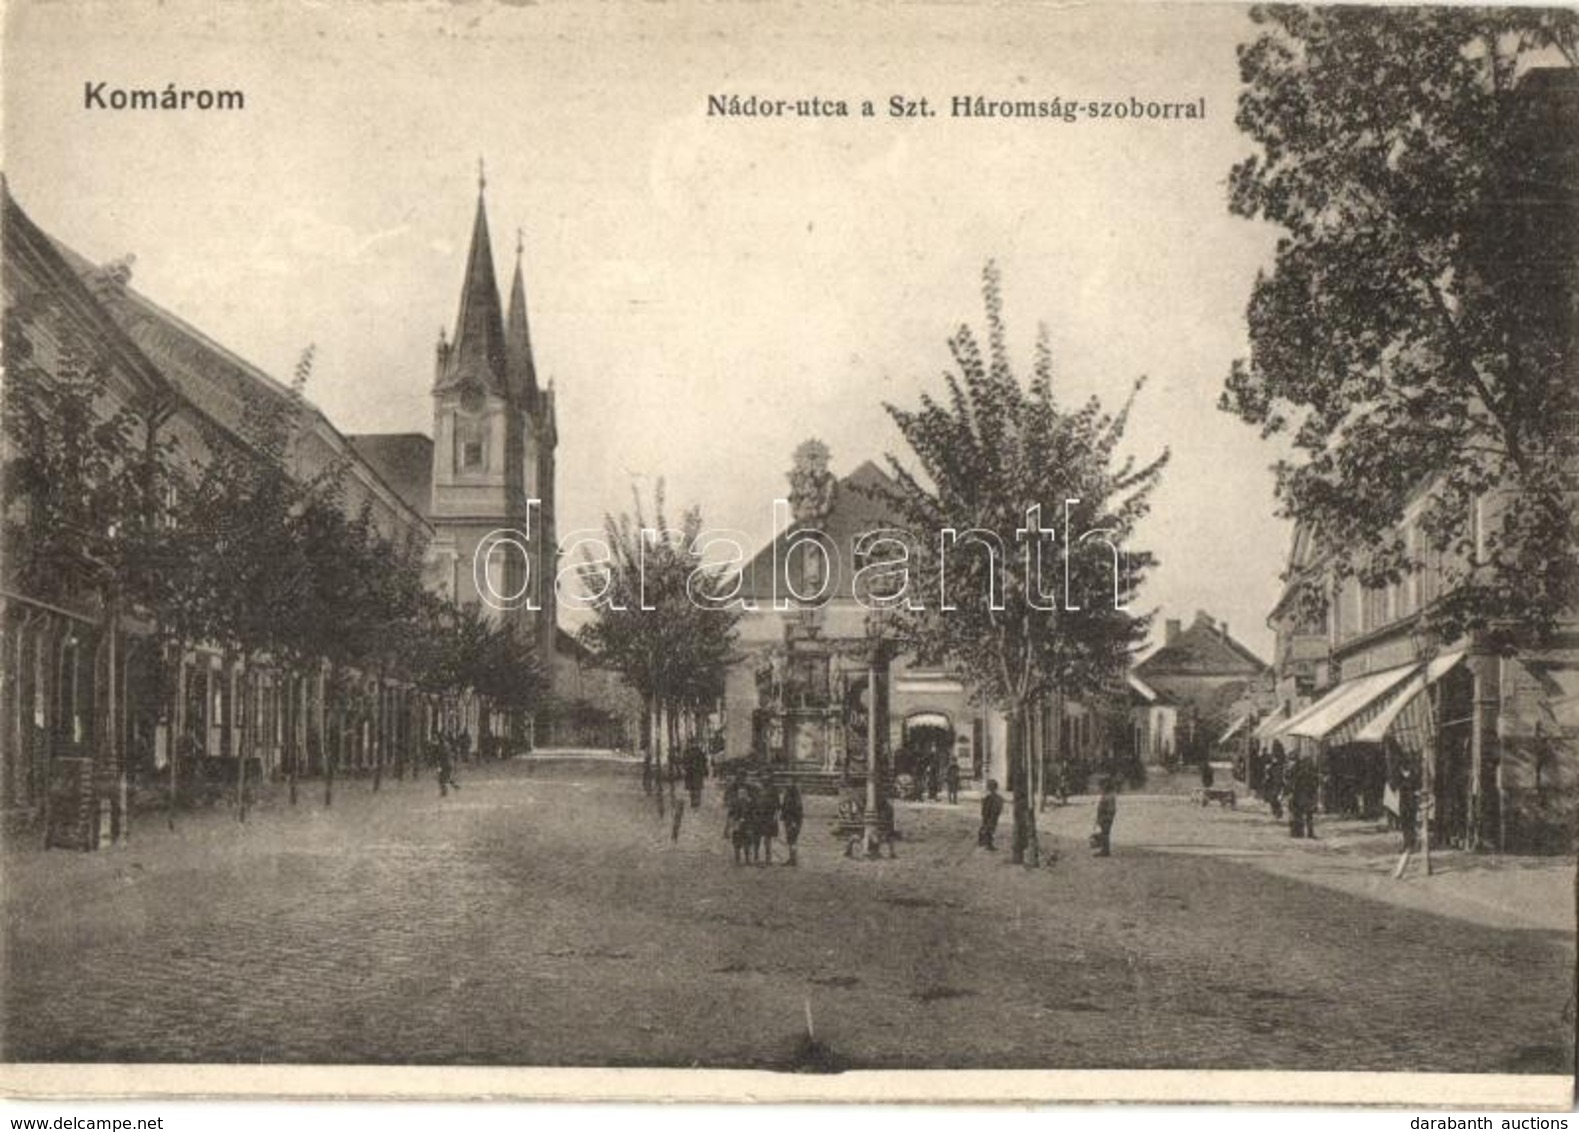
[
  {"x": 792, "y": 813},
  {"x": 767, "y": 813},
  {"x": 991, "y": 811},
  {"x": 1107, "y": 810},
  {"x": 952, "y": 778}
]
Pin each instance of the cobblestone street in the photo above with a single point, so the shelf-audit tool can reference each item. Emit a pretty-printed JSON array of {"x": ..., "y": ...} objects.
[{"x": 542, "y": 915}]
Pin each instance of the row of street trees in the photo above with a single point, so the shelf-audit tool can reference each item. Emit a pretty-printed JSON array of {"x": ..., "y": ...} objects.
[
  {"x": 1033, "y": 623},
  {"x": 226, "y": 546}
]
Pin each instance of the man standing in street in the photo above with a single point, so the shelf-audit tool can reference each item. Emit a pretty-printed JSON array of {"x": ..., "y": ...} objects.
[
  {"x": 446, "y": 768},
  {"x": 991, "y": 811},
  {"x": 793, "y": 814},
  {"x": 951, "y": 776},
  {"x": 695, "y": 771},
  {"x": 1302, "y": 808},
  {"x": 737, "y": 823},
  {"x": 1272, "y": 782},
  {"x": 767, "y": 817},
  {"x": 1107, "y": 810}
]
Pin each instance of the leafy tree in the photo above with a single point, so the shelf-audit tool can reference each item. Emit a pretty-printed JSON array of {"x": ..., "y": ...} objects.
[
  {"x": 991, "y": 458},
  {"x": 86, "y": 467},
  {"x": 242, "y": 515},
  {"x": 1414, "y": 333},
  {"x": 661, "y": 620}
]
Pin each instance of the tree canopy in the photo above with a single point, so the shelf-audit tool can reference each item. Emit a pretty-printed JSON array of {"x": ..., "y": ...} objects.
[
  {"x": 662, "y": 619},
  {"x": 1001, "y": 463},
  {"x": 1412, "y": 341}
]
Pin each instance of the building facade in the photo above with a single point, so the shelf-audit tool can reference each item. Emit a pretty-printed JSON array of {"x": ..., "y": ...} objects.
[
  {"x": 80, "y": 698},
  {"x": 86, "y": 720},
  {"x": 1205, "y": 674},
  {"x": 799, "y": 695}
]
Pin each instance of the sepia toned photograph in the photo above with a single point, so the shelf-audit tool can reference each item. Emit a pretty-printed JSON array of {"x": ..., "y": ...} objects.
[{"x": 732, "y": 551}]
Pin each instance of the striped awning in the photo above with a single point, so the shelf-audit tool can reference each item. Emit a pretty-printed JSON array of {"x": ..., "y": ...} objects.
[
  {"x": 1337, "y": 715},
  {"x": 1403, "y": 713},
  {"x": 1281, "y": 729}
]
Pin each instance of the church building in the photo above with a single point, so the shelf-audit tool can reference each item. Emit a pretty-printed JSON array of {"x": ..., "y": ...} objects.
[{"x": 484, "y": 481}]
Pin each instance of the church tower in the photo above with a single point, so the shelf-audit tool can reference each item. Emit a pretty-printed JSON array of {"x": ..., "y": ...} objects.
[
  {"x": 539, "y": 438},
  {"x": 493, "y": 449}
]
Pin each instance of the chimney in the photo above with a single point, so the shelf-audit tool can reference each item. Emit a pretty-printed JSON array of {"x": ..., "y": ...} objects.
[
  {"x": 1172, "y": 633},
  {"x": 1224, "y": 628}
]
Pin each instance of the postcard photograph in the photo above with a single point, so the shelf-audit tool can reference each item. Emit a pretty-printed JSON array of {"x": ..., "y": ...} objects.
[{"x": 943, "y": 545}]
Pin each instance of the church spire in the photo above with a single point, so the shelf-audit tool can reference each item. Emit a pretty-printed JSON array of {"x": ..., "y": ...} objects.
[
  {"x": 519, "y": 366},
  {"x": 477, "y": 352}
]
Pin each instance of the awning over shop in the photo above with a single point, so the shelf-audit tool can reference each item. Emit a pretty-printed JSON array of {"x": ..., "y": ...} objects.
[
  {"x": 1271, "y": 725},
  {"x": 1391, "y": 713},
  {"x": 1329, "y": 717},
  {"x": 1284, "y": 727},
  {"x": 1234, "y": 728}
]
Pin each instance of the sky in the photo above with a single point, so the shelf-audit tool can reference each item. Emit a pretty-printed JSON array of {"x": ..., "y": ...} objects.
[{"x": 705, "y": 291}]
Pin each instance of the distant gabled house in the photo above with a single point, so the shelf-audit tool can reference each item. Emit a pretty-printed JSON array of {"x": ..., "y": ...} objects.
[
  {"x": 1205, "y": 672},
  {"x": 1153, "y": 724}
]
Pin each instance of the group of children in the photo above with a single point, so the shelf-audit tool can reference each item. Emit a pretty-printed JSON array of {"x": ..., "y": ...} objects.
[
  {"x": 1101, "y": 835},
  {"x": 754, "y": 811}
]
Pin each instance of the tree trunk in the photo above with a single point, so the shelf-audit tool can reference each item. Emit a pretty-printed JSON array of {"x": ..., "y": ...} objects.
[
  {"x": 377, "y": 734},
  {"x": 113, "y": 728},
  {"x": 331, "y": 752},
  {"x": 648, "y": 732},
  {"x": 1026, "y": 850},
  {"x": 296, "y": 735},
  {"x": 178, "y": 727},
  {"x": 674, "y": 745},
  {"x": 244, "y": 709}
]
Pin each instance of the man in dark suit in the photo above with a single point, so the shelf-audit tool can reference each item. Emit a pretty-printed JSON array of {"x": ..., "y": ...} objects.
[{"x": 991, "y": 811}]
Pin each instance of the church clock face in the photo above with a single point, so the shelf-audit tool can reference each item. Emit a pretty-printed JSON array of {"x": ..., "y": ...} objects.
[{"x": 471, "y": 399}]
